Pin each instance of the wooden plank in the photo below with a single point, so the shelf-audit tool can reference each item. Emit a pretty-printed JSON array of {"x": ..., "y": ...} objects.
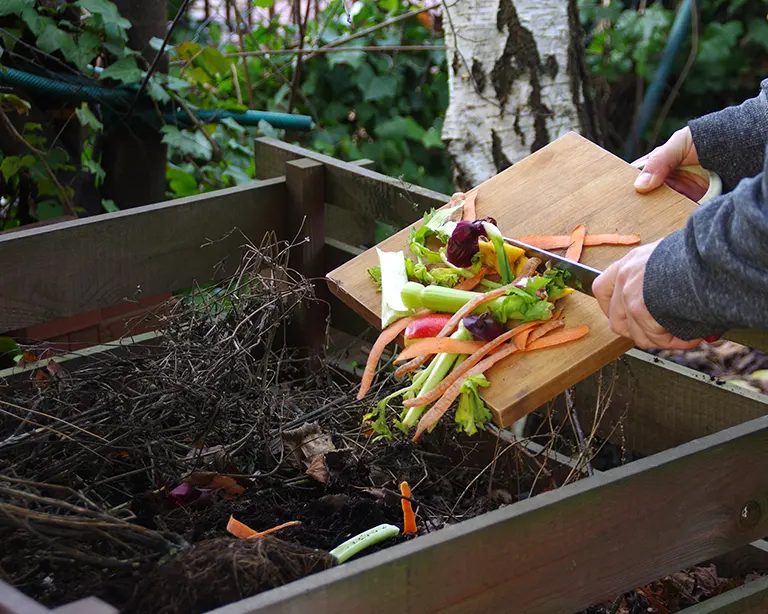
[
  {"x": 565, "y": 183},
  {"x": 661, "y": 404},
  {"x": 750, "y": 598},
  {"x": 66, "y": 269},
  {"x": 351, "y": 187},
  {"x": 89, "y": 605},
  {"x": 563, "y": 550},
  {"x": 305, "y": 219}
]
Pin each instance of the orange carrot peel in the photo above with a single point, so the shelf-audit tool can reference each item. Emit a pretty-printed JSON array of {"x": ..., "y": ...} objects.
[
  {"x": 409, "y": 518},
  {"x": 471, "y": 282},
  {"x": 550, "y": 242},
  {"x": 243, "y": 531},
  {"x": 577, "y": 243},
  {"x": 439, "y": 345}
]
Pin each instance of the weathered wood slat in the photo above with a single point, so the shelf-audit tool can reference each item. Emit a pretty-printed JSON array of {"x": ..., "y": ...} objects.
[
  {"x": 351, "y": 187},
  {"x": 74, "y": 267},
  {"x": 563, "y": 550},
  {"x": 662, "y": 404},
  {"x": 750, "y": 598}
]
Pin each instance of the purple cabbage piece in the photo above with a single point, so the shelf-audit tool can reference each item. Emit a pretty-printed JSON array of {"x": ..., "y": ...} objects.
[
  {"x": 463, "y": 244},
  {"x": 187, "y": 495},
  {"x": 483, "y": 326}
]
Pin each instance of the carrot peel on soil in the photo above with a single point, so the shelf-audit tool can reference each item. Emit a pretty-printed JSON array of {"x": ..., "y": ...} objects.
[
  {"x": 434, "y": 414},
  {"x": 409, "y": 518},
  {"x": 243, "y": 531},
  {"x": 388, "y": 335},
  {"x": 577, "y": 243},
  {"x": 565, "y": 335},
  {"x": 439, "y": 345},
  {"x": 471, "y": 282},
  {"x": 465, "y": 366}
]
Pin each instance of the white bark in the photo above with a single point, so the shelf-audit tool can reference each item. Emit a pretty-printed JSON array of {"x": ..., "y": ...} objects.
[{"x": 516, "y": 82}]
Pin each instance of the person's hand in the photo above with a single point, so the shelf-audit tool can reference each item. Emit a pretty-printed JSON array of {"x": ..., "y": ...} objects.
[
  {"x": 619, "y": 291},
  {"x": 661, "y": 167}
]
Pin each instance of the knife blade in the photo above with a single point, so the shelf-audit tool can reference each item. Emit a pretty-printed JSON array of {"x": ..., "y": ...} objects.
[{"x": 581, "y": 275}]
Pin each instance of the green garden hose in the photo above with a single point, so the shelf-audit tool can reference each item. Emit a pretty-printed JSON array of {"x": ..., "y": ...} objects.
[{"x": 120, "y": 99}]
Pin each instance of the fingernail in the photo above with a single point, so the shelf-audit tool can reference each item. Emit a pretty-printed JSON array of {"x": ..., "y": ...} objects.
[{"x": 644, "y": 180}]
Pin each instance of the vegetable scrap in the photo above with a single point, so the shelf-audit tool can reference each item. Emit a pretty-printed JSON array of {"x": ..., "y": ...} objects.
[
  {"x": 243, "y": 531},
  {"x": 409, "y": 518},
  {"x": 466, "y": 301}
]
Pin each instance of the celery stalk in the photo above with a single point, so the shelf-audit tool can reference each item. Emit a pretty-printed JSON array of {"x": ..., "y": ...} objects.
[
  {"x": 364, "y": 540},
  {"x": 494, "y": 234},
  {"x": 441, "y": 365}
]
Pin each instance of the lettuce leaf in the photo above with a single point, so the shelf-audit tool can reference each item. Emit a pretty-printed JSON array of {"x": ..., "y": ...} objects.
[{"x": 439, "y": 223}]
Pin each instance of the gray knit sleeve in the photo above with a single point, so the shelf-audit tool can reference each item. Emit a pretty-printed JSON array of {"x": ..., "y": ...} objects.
[
  {"x": 732, "y": 142},
  {"x": 712, "y": 275}
]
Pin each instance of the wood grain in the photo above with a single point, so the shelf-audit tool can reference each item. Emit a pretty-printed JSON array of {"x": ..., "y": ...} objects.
[
  {"x": 568, "y": 182},
  {"x": 70, "y": 268},
  {"x": 560, "y": 551}
]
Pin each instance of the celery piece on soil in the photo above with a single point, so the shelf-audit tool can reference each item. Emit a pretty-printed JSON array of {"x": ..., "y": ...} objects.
[{"x": 366, "y": 539}]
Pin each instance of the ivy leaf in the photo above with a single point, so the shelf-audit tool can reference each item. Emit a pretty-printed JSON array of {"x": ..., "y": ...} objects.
[
  {"x": 95, "y": 169},
  {"x": 13, "y": 164},
  {"x": 125, "y": 70},
  {"x": 214, "y": 61},
  {"x": 187, "y": 50},
  {"x": 381, "y": 87},
  {"x": 182, "y": 183},
  {"x": 107, "y": 10},
  {"x": 156, "y": 90},
  {"x": 263, "y": 4},
  {"x": 49, "y": 209},
  {"x": 432, "y": 138},
  {"x": 237, "y": 174},
  {"x": 14, "y": 7},
  {"x": 53, "y": 39},
  {"x": 35, "y": 21},
  {"x": 157, "y": 44},
  {"x": 109, "y": 206},
  {"x": 19, "y": 105},
  {"x": 191, "y": 143},
  {"x": 233, "y": 125},
  {"x": 88, "y": 119}
]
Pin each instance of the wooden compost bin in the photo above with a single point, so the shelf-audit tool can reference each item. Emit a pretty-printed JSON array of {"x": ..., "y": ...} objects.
[{"x": 700, "y": 492}]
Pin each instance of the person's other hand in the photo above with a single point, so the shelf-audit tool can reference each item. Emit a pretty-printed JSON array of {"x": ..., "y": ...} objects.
[
  {"x": 661, "y": 167},
  {"x": 619, "y": 291}
]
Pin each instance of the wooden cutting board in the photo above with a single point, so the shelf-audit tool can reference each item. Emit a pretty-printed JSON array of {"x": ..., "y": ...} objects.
[{"x": 570, "y": 181}]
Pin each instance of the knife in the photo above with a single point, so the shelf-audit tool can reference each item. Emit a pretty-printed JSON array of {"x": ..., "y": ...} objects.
[{"x": 581, "y": 276}]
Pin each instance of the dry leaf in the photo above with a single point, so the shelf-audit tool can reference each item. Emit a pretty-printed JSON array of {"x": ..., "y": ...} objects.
[
  {"x": 305, "y": 442},
  {"x": 317, "y": 469}
]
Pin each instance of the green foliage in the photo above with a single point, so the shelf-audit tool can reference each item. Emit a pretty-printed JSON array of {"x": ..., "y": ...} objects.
[{"x": 623, "y": 49}]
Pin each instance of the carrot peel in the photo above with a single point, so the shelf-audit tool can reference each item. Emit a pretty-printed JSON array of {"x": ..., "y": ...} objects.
[
  {"x": 565, "y": 335},
  {"x": 243, "y": 531},
  {"x": 577, "y": 243},
  {"x": 439, "y": 345},
  {"x": 409, "y": 518}
]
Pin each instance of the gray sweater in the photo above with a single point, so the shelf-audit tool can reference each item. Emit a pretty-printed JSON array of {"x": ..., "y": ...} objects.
[{"x": 712, "y": 275}]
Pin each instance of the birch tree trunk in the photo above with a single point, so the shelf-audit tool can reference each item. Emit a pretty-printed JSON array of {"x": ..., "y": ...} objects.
[{"x": 517, "y": 81}]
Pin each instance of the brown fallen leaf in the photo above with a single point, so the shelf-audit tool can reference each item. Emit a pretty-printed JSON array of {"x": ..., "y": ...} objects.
[{"x": 317, "y": 469}]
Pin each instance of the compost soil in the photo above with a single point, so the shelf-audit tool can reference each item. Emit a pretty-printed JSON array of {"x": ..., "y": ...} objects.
[{"x": 118, "y": 477}]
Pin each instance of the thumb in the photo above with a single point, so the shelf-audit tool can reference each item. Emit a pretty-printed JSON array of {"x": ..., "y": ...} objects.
[{"x": 658, "y": 167}]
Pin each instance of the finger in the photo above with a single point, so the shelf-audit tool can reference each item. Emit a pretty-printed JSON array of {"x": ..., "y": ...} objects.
[
  {"x": 603, "y": 287},
  {"x": 678, "y": 344},
  {"x": 661, "y": 162},
  {"x": 638, "y": 335},
  {"x": 617, "y": 314}
]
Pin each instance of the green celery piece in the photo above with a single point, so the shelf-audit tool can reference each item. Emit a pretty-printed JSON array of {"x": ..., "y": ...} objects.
[
  {"x": 393, "y": 278},
  {"x": 366, "y": 539},
  {"x": 494, "y": 234},
  {"x": 442, "y": 365}
]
